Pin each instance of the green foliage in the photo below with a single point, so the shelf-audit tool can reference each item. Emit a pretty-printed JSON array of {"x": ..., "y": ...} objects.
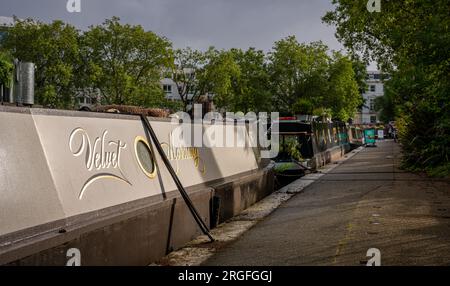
[
  {"x": 54, "y": 49},
  {"x": 123, "y": 61},
  {"x": 252, "y": 89},
  {"x": 305, "y": 78},
  {"x": 126, "y": 62},
  {"x": 343, "y": 97},
  {"x": 385, "y": 105},
  {"x": 188, "y": 68},
  {"x": 238, "y": 79},
  {"x": 410, "y": 40},
  {"x": 297, "y": 71},
  {"x": 284, "y": 166},
  {"x": 292, "y": 147},
  {"x": 323, "y": 112},
  {"x": 303, "y": 106},
  {"x": 360, "y": 73},
  {"x": 221, "y": 77},
  {"x": 6, "y": 69}
]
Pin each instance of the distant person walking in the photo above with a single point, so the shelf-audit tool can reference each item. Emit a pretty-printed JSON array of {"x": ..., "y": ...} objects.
[{"x": 392, "y": 132}]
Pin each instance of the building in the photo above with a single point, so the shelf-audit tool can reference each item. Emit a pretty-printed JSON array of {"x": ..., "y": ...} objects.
[
  {"x": 375, "y": 89},
  {"x": 170, "y": 89}
]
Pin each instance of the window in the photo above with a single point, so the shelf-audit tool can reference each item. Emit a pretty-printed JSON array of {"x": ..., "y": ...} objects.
[
  {"x": 373, "y": 119},
  {"x": 167, "y": 88},
  {"x": 371, "y": 76},
  {"x": 372, "y": 88}
]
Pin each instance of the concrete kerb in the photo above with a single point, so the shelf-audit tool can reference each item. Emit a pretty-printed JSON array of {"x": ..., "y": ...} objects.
[{"x": 200, "y": 249}]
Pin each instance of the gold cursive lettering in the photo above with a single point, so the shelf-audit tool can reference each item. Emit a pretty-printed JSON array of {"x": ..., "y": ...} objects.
[
  {"x": 99, "y": 156},
  {"x": 183, "y": 153}
]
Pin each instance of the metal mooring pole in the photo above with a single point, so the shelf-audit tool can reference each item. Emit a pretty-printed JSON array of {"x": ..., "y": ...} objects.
[{"x": 175, "y": 178}]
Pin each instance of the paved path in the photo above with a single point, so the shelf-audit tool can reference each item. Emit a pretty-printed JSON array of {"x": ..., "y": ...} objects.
[{"x": 366, "y": 202}]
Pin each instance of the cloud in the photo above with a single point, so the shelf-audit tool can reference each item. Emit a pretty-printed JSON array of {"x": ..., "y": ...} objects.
[{"x": 197, "y": 23}]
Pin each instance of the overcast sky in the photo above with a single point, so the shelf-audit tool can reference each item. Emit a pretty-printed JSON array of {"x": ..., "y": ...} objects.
[{"x": 196, "y": 23}]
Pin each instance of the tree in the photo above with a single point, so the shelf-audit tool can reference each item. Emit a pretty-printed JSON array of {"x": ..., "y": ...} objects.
[
  {"x": 189, "y": 64},
  {"x": 343, "y": 96},
  {"x": 304, "y": 106},
  {"x": 297, "y": 71},
  {"x": 409, "y": 39},
  {"x": 54, "y": 50},
  {"x": 252, "y": 90},
  {"x": 238, "y": 79},
  {"x": 360, "y": 70},
  {"x": 220, "y": 77},
  {"x": 126, "y": 63},
  {"x": 6, "y": 68},
  {"x": 306, "y": 80},
  {"x": 385, "y": 105}
]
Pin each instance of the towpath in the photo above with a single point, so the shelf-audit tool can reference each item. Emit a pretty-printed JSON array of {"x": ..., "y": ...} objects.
[{"x": 366, "y": 202}]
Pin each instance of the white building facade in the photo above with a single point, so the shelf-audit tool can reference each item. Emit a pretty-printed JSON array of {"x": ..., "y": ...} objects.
[
  {"x": 170, "y": 89},
  {"x": 375, "y": 89}
]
